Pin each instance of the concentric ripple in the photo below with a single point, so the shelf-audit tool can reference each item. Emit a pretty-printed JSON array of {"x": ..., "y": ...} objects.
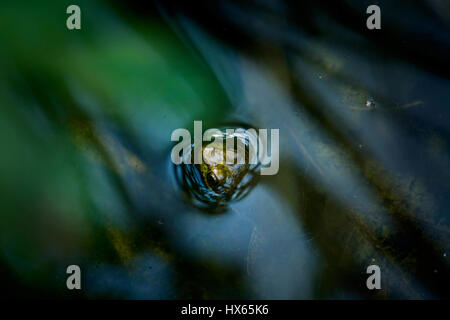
[{"x": 227, "y": 172}]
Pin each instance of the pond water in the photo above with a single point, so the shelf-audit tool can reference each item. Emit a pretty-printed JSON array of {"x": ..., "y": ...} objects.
[{"x": 364, "y": 146}]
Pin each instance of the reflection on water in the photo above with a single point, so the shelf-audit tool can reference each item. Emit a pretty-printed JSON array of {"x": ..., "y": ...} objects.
[{"x": 86, "y": 125}]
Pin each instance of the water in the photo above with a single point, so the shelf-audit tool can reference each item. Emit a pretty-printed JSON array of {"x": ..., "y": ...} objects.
[{"x": 86, "y": 176}]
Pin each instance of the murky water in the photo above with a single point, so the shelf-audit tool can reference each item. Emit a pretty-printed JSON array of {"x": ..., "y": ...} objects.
[{"x": 363, "y": 118}]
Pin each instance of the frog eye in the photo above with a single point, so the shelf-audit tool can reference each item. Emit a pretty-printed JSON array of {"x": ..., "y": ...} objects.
[{"x": 214, "y": 183}]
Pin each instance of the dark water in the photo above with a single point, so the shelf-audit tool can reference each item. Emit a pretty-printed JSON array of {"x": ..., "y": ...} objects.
[{"x": 85, "y": 126}]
